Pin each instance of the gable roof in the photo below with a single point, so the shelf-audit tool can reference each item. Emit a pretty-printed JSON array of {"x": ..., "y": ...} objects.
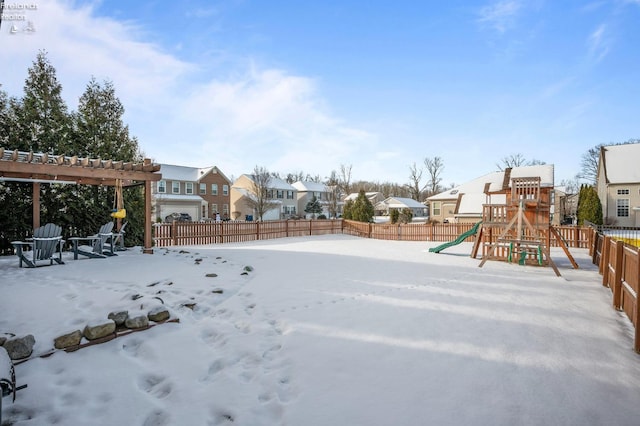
[
  {"x": 309, "y": 186},
  {"x": 620, "y": 163},
  {"x": 186, "y": 173},
  {"x": 369, "y": 195},
  {"x": 401, "y": 202}
]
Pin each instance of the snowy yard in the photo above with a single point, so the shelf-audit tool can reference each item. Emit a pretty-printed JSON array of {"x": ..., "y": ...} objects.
[{"x": 329, "y": 330}]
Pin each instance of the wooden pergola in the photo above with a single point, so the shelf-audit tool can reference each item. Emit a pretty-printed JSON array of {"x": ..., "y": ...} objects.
[{"x": 37, "y": 168}]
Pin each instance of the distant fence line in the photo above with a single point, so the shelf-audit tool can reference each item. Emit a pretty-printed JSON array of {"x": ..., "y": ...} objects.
[
  {"x": 619, "y": 264},
  {"x": 189, "y": 233}
]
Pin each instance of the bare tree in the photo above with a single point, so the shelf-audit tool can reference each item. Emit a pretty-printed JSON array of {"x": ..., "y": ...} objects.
[
  {"x": 261, "y": 197},
  {"x": 510, "y": 161},
  {"x": 434, "y": 167},
  {"x": 334, "y": 193},
  {"x": 414, "y": 187},
  {"x": 345, "y": 178},
  {"x": 589, "y": 164}
]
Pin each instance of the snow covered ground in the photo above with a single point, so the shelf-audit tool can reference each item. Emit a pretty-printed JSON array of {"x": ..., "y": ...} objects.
[{"x": 331, "y": 330}]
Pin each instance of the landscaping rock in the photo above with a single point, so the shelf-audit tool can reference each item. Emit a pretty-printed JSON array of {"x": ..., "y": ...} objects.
[
  {"x": 2, "y": 340},
  {"x": 21, "y": 347},
  {"x": 211, "y": 275},
  {"x": 96, "y": 331},
  {"x": 118, "y": 317},
  {"x": 158, "y": 314},
  {"x": 137, "y": 322},
  {"x": 68, "y": 340}
]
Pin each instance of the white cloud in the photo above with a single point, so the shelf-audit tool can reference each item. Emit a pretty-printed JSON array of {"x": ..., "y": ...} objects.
[
  {"x": 599, "y": 43},
  {"x": 500, "y": 15},
  {"x": 262, "y": 116}
]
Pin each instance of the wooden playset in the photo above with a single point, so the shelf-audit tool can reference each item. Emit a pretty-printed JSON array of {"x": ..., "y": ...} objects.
[{"x": 519, "y": 230}]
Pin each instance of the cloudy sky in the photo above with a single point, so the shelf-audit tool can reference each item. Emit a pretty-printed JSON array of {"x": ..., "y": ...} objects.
[{"x": 308, "y": 86}]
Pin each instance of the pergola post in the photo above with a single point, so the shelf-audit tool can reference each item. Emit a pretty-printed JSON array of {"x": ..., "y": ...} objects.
[
  {"x": 36, "y": 205},
  {"x": 148, "y": 249}
]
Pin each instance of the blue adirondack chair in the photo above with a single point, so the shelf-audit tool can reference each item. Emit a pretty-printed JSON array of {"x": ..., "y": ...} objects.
[
  {"x": 46, "y": 246},
  {"x": 99, "y": 243}
]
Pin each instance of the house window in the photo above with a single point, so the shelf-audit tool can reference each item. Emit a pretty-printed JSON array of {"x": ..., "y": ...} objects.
[
  {"x": 280, "y": 194},
  {"x": 623, "y": 207},
  {"x": 175, "y": 187},
  {"x": 203, "y": 189},
  {"x": 269, "y": 193},
  {"x": 162, "y": 187},
  {"x": 188, "y": 188},
  {"x": 214, "y": 208},
  {"x": 225, "y": 189},
  {"x": 435, "y": 211},
  {"x": 225, "y": 209},
  {"x": 623, "y": 192},
  {"x": 289, "y": 195},
  {"x": 214, "y": 189}
]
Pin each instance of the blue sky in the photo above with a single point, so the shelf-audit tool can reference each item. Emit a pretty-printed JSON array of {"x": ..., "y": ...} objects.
[{"x": 379, "y": 85}]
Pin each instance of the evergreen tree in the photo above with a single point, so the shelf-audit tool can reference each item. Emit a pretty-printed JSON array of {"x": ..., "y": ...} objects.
[
  {"x": 589, "y": 206},
  {"x": 406, "y": 215},
  {"x": 347, "y": 210},
  {"x": 39, "y": 122},
  {"x": 43, "y": 119},
  {"x": 394, "y": 215},
  {"x": 99, "y": 132},
  {"x": 313, "y": 207},
  {"x": 362, "y": 209},
  {"x": 15, "y": 198}
]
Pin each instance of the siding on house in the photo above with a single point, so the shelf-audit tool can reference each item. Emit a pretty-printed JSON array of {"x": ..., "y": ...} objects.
[{"x": 618, "y": 184}]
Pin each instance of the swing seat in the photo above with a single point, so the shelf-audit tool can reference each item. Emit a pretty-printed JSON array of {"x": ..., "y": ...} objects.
[{"x": 119, "y": 214}]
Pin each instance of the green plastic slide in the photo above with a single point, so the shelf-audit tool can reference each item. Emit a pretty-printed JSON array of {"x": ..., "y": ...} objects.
[{"x": 458, "y": 240}]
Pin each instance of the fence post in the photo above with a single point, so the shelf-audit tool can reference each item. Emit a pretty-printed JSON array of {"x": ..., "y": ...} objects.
[
  {"x": 257, "y": 230},
  {"x": 617, "y": 277},
  {"x": 370, "y": 230},
  {"x": 637, "y": 307},
  {"x": 604, "y": 260},
  {"x": 310, "y": 226},
  {"x": 286, "y": 227},
  {"x": 174, "y": 232}
]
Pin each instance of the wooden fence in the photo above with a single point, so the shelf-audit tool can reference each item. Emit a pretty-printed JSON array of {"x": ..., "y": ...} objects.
[
  {"x": 619, "y": 264},
  {"x": 189, "y": 233}
]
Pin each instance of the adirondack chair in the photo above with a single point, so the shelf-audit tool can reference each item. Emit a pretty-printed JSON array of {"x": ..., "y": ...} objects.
[
  {"x": 97, "y": 241},
  {"x": 45, "y": 244},
  {"x": 118, "y": 238}
]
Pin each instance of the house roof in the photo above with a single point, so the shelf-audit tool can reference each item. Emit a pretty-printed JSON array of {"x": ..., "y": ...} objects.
[
  {"x": 309, "y": 186},
  {"x": 621, "y": 163},
  {"x": 400, "y": 202},
  {"x": 496, "y": 181},
  {"x": 472, "y": 194},
  {"x": 274, "y": 183},
  {"x": 185, "y": 173},
  {"x": 369, "y": 195}
]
